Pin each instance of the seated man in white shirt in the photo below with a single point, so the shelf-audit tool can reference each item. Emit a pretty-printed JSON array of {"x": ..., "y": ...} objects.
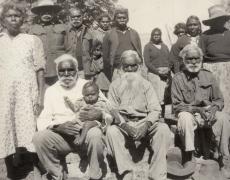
[{"x": 56, "y": 128}]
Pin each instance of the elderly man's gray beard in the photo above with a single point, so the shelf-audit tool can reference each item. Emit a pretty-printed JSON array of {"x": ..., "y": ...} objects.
[
  {"x": 68, "y": 82},
  {"x": 131, "y": 81},
  {"x": 193, "y": 68}
]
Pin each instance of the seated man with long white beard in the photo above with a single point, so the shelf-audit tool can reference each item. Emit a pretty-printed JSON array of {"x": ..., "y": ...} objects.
[
  {"x": 57, "y": 126},
  {"x": 197, "y": 102},
  {"x": 139, "y": 109}
]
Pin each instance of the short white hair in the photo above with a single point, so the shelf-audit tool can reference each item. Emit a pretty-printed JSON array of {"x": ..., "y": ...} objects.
[
  {"x": 130, "y": 53},
  {"x": 190, "y": 47},
  {"x": 66, "y": 57}
]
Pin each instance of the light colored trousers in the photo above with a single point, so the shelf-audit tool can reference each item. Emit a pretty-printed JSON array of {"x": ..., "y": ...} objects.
[
  {"x": 159, "y": 141},
  {"x": 52, "y": 147},
  {"x": 221, "y": 129}
]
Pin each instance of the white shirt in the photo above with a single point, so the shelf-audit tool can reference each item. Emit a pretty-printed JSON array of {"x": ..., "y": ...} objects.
[{"x": 55, "y": 110}]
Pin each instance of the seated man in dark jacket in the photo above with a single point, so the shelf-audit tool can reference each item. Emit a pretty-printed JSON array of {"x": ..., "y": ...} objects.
[{"x": 197, "y": 102}]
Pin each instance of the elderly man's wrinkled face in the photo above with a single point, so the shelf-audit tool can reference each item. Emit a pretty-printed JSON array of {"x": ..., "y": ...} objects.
[
  {"x": 121, "y": 20},
  {"x": 105, "y": 23},
  {"x": 130, "y": 64},
  {"x": 76, "y": 18},
  {"x": 193, "y": 61},
  {"x": 12, "y": 21},
  {"x": 67, "y": 73},
  {"x": 193, "y": 27}
]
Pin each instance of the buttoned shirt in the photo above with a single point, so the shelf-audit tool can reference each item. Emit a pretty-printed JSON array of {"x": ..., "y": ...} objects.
[
  {"x": 198, "y": 90},
  {"x": 78, "y": 43}
]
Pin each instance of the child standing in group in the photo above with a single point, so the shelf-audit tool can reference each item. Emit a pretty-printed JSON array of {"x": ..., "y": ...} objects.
[{"x": 97, "y": 67}]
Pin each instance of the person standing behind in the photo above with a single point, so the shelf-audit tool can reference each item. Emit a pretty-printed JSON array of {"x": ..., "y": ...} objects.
[
  {"x": 78, "y": 42},
  {"x": 193, "y": 30},
  {"x": 52, "y": 34},
  {"x": 116, "y": 41},
  {"x": 215, "y": 44},
  {"x": 97, "y": 67},
  {"x": 156, "y": 57},
  {"x": 179, "y": 29},
  {"x": 103, "y": 26},
  {"x": 22, "y": 64}
]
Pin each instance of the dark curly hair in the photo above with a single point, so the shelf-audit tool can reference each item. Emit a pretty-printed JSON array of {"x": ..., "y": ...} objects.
[
  {"x": 179, "y": 26},
  {"x": 14, "y": 5}
]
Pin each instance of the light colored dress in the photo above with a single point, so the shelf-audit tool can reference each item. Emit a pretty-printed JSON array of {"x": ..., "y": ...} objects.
[{"x": 20, "y": 58}]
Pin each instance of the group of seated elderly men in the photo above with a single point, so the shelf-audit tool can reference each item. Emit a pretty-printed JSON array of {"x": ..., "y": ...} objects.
[{"x": 130, "y": 114}]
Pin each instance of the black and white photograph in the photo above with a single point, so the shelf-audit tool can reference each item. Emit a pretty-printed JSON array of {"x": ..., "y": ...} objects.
[{"x": 114, "y": 89}]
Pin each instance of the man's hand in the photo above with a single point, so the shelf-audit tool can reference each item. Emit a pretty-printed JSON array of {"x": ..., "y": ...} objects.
[
  {"x": 38, "y": 107},
  {"x": 201, "y": 111},
  {"x": 131, "y": 131},
  {"x": 212, "y": 113},
  {"x": 90, "y": 114},
  {"x": 115, "y": 114},
  {"x": 142, "y": 130},
  {"x": 67, "y": 128}
]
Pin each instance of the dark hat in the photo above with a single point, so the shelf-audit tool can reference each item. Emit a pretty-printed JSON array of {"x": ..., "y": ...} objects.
[
  {"x": 209, "y": 170},
  {"x": 41, "y": 5},
  {"x": 216, "y": 12},
  {"x": 175, "y": 169}
]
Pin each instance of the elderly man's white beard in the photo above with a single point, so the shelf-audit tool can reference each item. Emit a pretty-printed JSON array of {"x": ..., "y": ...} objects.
[
  {"x": 193, "y": 68},
  {"x": 132, "y": 82},
  {"x": 68, "y": 82}
]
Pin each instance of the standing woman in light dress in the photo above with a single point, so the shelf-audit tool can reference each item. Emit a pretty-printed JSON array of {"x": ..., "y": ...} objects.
[{"x": 21, "y": 81}]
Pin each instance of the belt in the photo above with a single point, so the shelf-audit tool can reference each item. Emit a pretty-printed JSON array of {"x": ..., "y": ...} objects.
[{"x": 131, "y": 118}]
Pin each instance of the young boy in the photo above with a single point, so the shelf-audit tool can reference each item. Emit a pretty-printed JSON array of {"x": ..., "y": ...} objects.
[
  {"x": 90, "y": 99},
  {"x": 97, "y": 67}
]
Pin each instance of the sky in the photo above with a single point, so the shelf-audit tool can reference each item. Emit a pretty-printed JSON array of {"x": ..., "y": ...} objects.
[{"x": 148, "y": 14}]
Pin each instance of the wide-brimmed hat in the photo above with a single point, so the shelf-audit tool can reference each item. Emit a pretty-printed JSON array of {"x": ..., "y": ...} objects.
[
  {"x": 42, "y": 5},
  {"x": 175, "y": 169},
  {"x": 216, "y": 12},
  {"x": 209, "y": 170}
]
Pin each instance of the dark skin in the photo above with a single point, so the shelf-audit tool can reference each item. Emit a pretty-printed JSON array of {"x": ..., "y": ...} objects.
[
  {"x": 121, "y": 21},
  {"x": 208, "y": 114},
  {"x": 12, "y": 21},
  {"x": 67, "y": 68},
  {"x": 193, "y": 27},
  {"x": 105, "y": 23}
]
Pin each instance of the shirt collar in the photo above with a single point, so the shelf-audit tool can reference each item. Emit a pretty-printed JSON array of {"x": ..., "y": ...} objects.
[
  {"x": 190, "y": 76},
  {"x": 82, "y": 28}
]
